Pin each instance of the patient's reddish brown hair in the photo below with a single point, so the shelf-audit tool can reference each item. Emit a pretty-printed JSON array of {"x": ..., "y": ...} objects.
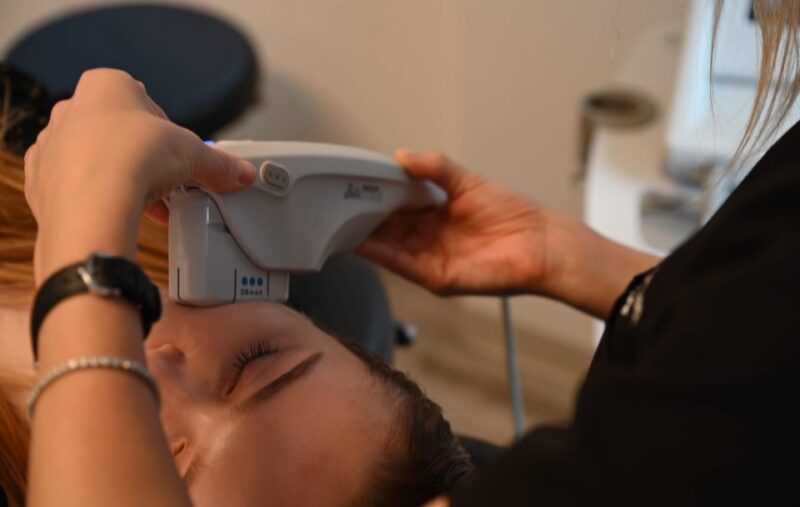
[
  {"x": 18, "y": 234},
  {"x": 14, "y": 440}
]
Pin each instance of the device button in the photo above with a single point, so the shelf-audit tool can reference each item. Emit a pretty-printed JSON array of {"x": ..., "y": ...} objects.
[{"x": 274, "y": 175}]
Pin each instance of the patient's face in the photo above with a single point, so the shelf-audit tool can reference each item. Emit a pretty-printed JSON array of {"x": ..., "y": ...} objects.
[{"x": 262, "y": 408}]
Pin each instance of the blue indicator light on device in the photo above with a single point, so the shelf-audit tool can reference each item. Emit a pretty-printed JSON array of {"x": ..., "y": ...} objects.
[
  {"x": 244, "y": 280},
  {"x": 209, "y": 142},
  {"x": 260, "y": 281}
]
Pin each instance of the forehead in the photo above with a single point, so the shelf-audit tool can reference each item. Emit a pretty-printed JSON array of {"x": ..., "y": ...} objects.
[
  {"x": 173, "y": 309},
  {"x": 179, "y": 319}
]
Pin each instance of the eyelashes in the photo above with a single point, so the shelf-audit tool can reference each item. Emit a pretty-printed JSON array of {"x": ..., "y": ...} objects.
[{"x": 247, "y": 356}]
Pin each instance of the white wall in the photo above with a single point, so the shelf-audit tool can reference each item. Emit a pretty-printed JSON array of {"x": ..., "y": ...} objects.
[{"x": 494, "y": 83}]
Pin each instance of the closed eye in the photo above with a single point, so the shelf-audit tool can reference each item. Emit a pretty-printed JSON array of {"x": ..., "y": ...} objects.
[{"x": 244, "y": 358}]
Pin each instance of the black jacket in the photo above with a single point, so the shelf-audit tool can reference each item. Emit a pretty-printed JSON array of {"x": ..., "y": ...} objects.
[{"x": 692, "y": 396}]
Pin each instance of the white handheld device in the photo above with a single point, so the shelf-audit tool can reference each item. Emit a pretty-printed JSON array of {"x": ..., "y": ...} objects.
[{"x": 309, "y": 201}]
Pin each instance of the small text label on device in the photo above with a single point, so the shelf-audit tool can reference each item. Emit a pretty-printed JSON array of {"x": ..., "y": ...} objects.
[{"x": 363, "y": 192}]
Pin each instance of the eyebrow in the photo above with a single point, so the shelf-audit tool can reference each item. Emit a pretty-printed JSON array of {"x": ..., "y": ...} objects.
[{"x": 300, "y": 370}]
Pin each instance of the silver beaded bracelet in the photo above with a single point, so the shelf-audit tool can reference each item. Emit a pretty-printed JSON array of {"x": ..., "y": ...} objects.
[{"x": 93, "y": 362}]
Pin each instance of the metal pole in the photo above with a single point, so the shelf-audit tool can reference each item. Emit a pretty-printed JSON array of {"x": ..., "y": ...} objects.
[{"x": 514, "y": 382}]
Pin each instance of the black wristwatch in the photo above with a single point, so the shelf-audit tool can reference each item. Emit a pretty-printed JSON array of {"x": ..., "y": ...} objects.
[{"x": 101, "y": 274}]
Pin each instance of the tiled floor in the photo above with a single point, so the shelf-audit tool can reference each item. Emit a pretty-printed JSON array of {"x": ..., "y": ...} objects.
[{"x": 460, "y": 362}]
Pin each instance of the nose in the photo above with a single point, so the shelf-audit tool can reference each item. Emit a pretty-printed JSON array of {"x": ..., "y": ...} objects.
[
  {"x": 166, "y": 363},
  {"x": 165, "y": 352},
  {"x": 164, "y": 358}
]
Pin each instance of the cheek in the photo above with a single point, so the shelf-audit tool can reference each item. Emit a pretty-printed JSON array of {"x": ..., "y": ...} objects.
[
  {"x": 286, "y": 453},
  {"x": 251, "y": 465}
]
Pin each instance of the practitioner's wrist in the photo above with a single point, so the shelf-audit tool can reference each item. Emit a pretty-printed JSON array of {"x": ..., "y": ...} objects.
[
  {"x": 87, "y": 325},
  {"x": 72, "y": 233},
  {"x": 103, "y": 276},
  {"x": 586, "y": 270},
  {"x": 563, "y": 241}
]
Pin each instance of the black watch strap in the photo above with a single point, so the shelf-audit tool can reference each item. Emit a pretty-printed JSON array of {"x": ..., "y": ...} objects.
[{"x": 100, "y": 274}]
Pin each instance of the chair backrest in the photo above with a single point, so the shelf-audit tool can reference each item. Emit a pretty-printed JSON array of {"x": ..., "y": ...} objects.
[{"x": 347, "y": 298}]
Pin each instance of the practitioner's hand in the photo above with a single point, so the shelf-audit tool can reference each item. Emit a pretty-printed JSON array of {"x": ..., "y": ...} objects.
[
  {"x": 107, "y": 154},
  {"x": 485, "y": 240}
]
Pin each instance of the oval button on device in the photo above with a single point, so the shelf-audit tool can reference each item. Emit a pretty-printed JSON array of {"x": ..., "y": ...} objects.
[{"x": 274, "y": 176}]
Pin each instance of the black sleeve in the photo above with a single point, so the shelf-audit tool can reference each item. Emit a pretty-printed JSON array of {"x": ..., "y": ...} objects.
[{"x": 697, "y": 402}]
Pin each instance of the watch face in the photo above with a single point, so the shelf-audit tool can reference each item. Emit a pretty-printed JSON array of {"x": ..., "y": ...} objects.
[{"x": 25, "y": 109}]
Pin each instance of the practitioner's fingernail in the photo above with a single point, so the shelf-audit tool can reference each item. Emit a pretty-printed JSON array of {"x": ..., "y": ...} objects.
[{"x": 247, "y": 172}]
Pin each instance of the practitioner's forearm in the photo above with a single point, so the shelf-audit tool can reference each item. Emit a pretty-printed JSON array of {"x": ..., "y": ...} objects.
[
  {"x": 107, "y": 154},
  {"x": 96, "y": 436}
]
